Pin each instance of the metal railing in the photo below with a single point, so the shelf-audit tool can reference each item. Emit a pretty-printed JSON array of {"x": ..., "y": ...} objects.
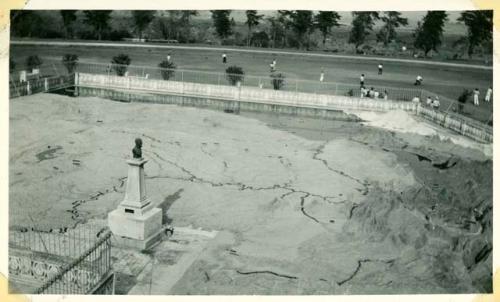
[
  {"x": 63, "y": 261},
  {"x": 258, "y": 81},
  {"x": 478, "y": 116}
]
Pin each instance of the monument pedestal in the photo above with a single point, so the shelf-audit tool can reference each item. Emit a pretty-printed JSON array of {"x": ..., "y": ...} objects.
[{"x": 136, "y": 223}]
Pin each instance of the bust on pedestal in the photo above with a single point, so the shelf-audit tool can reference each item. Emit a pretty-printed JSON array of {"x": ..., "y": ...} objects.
[{"x": 136, "y": 223}]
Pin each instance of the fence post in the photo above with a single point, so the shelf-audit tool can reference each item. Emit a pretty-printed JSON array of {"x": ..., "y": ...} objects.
[
  {"x": 46, "y": 84},
  {"x": 336, "y": 88},
  {"x": 218, "y": 79},
  {"x": 296, "y": 85},
  {"x": 28, "y": 88}
]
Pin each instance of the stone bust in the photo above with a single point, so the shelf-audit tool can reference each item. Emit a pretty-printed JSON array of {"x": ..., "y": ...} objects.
[{"x": 137, "y": 152}]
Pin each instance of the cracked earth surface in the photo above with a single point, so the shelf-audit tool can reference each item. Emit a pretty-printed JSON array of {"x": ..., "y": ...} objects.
[{"x": 293, "y": 214}]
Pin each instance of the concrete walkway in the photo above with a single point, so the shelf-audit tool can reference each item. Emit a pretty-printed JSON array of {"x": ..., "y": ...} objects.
[
  {"x": 267, "y": 51},
  {"x": 170, "y": 261}
]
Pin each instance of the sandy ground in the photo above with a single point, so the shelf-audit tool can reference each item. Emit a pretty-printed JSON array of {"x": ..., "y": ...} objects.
[{"x": 301, "y": 206}]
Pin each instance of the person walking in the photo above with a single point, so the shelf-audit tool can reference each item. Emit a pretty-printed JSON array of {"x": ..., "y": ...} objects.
[
  {"x": 380, "y": 68},
  {"x": 322, "y": 75},
  {"x": 489, "y": 92},
  {"x": 168, "y": 57},
  {"x": 476, "y": 97},
  {"x": 224, "y": 58},
  {"x": 362, "y": 80},
  {"x": 418, "y": 80}
]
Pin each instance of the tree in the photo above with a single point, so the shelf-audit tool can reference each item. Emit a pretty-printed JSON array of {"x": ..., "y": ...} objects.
[
  {"x": 70, "y": 61},
  {"x": 234, "y": 74},
  {"x": 285, "y": 21},
  {"x": 260, "y": 39},
  {"x": 120, "y": 64},
  {"x": 429, "y": 33},
  {"x": 99, "y": 20},
  {"x": 25, "y": 23},
  {"x": 479, "y": 27},
  {"x": 302, "y": 23},
  {"x": 277, "y": 80},
  {"x": 392, "y": 20},
  {"x": 325, "y": 21},
  {"x": 142, "y": 18},
  {"x": 68, "y": 17},
  {"x": 33, "y": 62},
  {"x": 167, "y": 70},
  {"x": 12, "y": 65},
  {"x": 185, "y": 21},
  {"x": 276, "y": 29},
  {"x": 222, "y": 23},
  {"x": 252, "y": 20},
  {"x": 362, "y": 24}
]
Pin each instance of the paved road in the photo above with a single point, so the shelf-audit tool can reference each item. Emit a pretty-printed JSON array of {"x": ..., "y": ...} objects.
[{"x": 146, "y": 45}]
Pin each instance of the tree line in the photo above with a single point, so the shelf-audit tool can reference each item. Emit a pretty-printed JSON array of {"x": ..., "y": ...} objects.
[{"x": 285, "y": 29}]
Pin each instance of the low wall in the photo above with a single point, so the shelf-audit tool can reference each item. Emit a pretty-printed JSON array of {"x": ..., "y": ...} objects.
[
  {"x": 234, "y": 98},
  {"x": 37, "y": 85},
  {"x": 248, "y": 94}
]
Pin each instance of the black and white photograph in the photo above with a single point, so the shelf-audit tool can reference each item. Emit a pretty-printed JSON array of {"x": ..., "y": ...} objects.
[{"x": 250, "y": 152}]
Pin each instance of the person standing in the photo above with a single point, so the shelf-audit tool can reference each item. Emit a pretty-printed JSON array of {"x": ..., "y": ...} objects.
[
  {"x": 380, "y": 68},
  {"x": 322, "y": 75},
  {"x": 168, "y": 57},
  {"x": 476, "y": 97},
  {"x": 224, "y": 58},
  {"x": 487, "y": 98},
  {"x": 362, "y": 80}
]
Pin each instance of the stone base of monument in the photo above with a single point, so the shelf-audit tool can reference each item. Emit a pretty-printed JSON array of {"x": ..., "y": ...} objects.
[{"x": 136, "y": 231}]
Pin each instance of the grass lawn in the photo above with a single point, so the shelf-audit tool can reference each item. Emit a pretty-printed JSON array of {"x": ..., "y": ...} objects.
[{"x": 443, "y": 80}]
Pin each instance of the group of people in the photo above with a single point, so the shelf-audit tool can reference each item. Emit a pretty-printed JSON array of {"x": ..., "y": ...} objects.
[
  {"x": 373, "y": 93},
  {"x": 487, "y": 97},
  {"x": 430, "y": 102}
]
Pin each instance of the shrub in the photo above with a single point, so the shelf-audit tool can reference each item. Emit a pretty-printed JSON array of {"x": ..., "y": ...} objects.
[
  {"x": 12, "y": 65},
  {"x": 118, "y": 35},
  {"x": 33, "y": 62},
  {"x": 462, "y": 99},
  {"x": 70, "y": 61},
  {"x": 277, "y": 80},
  {"x": 167, "y": 70},
  {"x": 120, "y": 64},
  {"x": 234, "y": 74}
]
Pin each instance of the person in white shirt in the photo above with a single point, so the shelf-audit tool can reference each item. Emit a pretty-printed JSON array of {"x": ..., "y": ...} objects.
[
  {"x": 371, "y": 93},
  {"x": 362, "y": 80},
  {"x": 419, "y": 80},
  {"x": 168, "y": 58},
  {"x": 436, "y": 103},
  {"x": 416, "y": 100},
  {"x": 224, "y": 58},
  {"x": 386, "y": 95},
  {"x": 476, "y": 97},
  {"x": 375, "y": 94},
  {"x": 429, "y": 101},
  {"x": 363, "y": 91},
  {"x": 487, "y": 98},
  {"x": 380, "y": 68},
  {"x": 322, "y": 75}
]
